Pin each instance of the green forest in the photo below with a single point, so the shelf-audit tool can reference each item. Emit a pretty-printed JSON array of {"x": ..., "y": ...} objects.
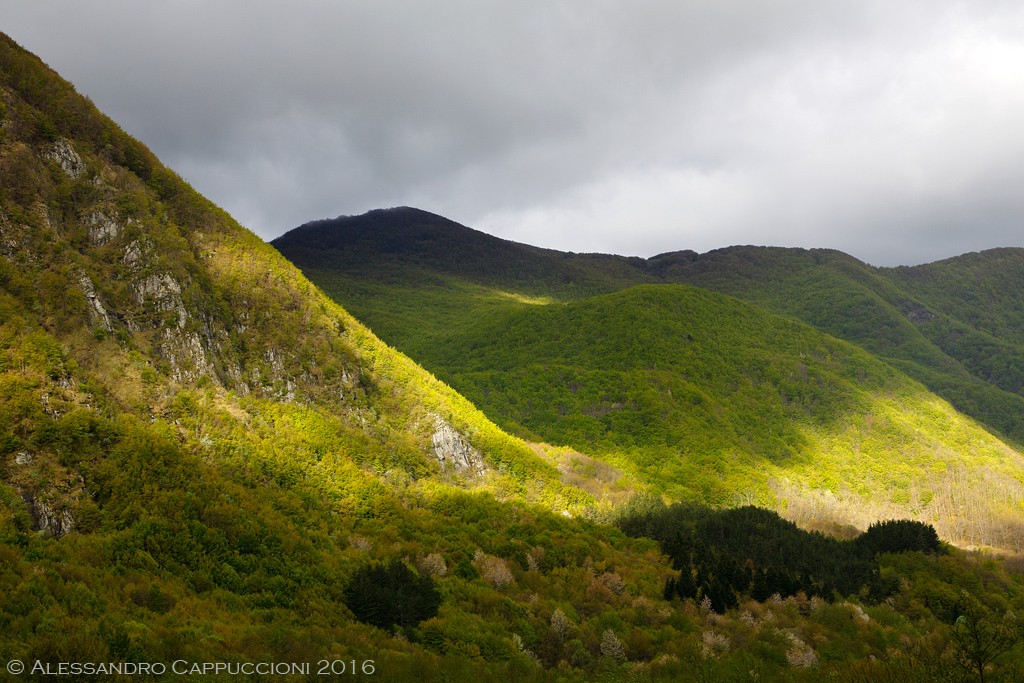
[{"x": 205, "y": 457}]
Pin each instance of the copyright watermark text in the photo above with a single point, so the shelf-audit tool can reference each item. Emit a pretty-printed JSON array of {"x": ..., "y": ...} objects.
[{"x": 181, "y": 667}]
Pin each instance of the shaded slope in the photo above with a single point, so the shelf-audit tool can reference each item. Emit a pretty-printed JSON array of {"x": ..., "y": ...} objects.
[
  {"x": 851, "y": 300},
  {"x": 414, "y": 276},
  {"x": 390, "y": 242},
  {"x": 977, "y": 302}
]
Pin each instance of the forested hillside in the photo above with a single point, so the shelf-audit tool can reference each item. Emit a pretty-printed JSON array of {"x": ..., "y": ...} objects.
[
  {"x": 920, "y": 319},
  {"x": 205, "y": 459},
  {"x": 697, "y": 395}
]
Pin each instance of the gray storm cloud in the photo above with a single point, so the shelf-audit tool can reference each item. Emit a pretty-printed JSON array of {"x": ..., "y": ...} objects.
[{"x": 889, "y": 130}]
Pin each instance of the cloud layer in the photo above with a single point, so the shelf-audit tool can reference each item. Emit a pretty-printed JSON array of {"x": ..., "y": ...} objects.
[{"x": 890, "y": 130}]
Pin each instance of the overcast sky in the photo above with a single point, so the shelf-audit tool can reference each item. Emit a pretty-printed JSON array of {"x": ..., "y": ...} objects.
[{"x": 891, "y": 129}]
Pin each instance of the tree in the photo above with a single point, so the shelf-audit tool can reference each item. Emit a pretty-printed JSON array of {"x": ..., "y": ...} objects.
[
  {"x": 611, "y": 646},
  {"x": 388, "y": 595},
  {"x": 898, "y": 536},
  {"x": 980, "y": 639}
]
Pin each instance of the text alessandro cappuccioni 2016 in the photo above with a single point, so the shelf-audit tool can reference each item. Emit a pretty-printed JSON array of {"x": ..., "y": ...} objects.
[{"x": 323, "y": 667}]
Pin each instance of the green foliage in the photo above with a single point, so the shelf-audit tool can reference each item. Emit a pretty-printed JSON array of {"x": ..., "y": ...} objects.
[
  {"x": 899, "y": 535},
  {"x": 201, "y": 456},
  {"x": 696, "y": 395},
  {"x": 387, "y": 595},
  {"x": 982, "y": 638}
]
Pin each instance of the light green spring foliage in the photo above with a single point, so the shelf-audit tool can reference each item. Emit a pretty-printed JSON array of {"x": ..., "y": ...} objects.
[
  {"x": 198, "y": 449},
  {"x": 704, "y": 397},
  {"x": 698, "y": 395}
]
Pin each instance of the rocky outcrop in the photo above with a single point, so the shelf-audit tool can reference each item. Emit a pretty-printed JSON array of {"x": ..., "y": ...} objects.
[
  {"x": 102, "y": 227},
  {"x": 51, "y": 520},
  {"x": 185, "y": 353},
  {"x": 134, "y": 255},
  {"x": 98, "y": 316},
  {"x": 165, "y": 294},
  {"x": 8, "y": 242},
  {"x": 51, "y": 509},
  {"x": 66, "y": 157},
  {"x": 453, "y": 450}
]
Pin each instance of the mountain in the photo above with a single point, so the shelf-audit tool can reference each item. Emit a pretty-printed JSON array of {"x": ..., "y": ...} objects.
[
  {"x": 203, "y": 459},
  {"x": 930, "y": 335},
  {"x": 879, "y": 309},
  {"x": 199, "y": 450},
  {"x": 696, "y": 395}
]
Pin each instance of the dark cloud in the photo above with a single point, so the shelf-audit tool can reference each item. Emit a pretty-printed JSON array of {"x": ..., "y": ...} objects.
[{"x": 885, "y": 129}]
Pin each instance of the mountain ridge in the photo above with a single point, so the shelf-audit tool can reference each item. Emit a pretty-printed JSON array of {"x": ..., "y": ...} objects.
[
  {"x": 834, "y": 292},
  {"x": 546, "y": 369}
]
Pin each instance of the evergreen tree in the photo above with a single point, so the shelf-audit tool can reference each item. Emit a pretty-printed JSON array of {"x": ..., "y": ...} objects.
[{"x": 387, "y": 595}]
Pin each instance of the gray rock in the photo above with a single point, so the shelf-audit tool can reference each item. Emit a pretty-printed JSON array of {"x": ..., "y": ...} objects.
[
  {"x": 164, "y": 291},
  {"x": 915, "y": 312},
  {"x": 52, "y": 521},
  {"x": 66, "y": 157},
  {"x": 186, "y": 355},
  {"x": 102, "y": 228},
  {"x": 97, "y": 313},
  {"x": 22, "y": 458},
  {"x": 453, "y": 450},
  {"x": 133, "y": 255}
]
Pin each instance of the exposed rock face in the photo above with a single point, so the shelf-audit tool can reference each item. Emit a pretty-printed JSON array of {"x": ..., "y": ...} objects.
[
  {"x": 164, "y": 291},
  {"x": 56, "y": 522},
  {"x": 102, "y": 228},
  {"x": 8, "y": 243},
  {"x": 186, "y": 355},
  {"x": 65, "y": 155},
  {"x": 47, "y": 517},
  {"x": 97, "y": 313},
  {"x": 133, "y": 255},
  {"x": 452, "y": 450},
  {"x": 52, "y": 521}
]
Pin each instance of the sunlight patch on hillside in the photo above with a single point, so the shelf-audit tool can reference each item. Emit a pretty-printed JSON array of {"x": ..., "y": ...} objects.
[{"x": 525, "y": 299}]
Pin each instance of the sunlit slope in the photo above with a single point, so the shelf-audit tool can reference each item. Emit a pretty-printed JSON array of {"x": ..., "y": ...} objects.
[
  {"x": 707, "y": 397},
  {"x": 153, "y": 289}
]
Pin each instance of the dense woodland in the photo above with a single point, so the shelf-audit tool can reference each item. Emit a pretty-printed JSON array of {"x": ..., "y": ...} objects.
[
  {"x": 204, "y": 458},
  {"x": 695, "y": 394}
]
